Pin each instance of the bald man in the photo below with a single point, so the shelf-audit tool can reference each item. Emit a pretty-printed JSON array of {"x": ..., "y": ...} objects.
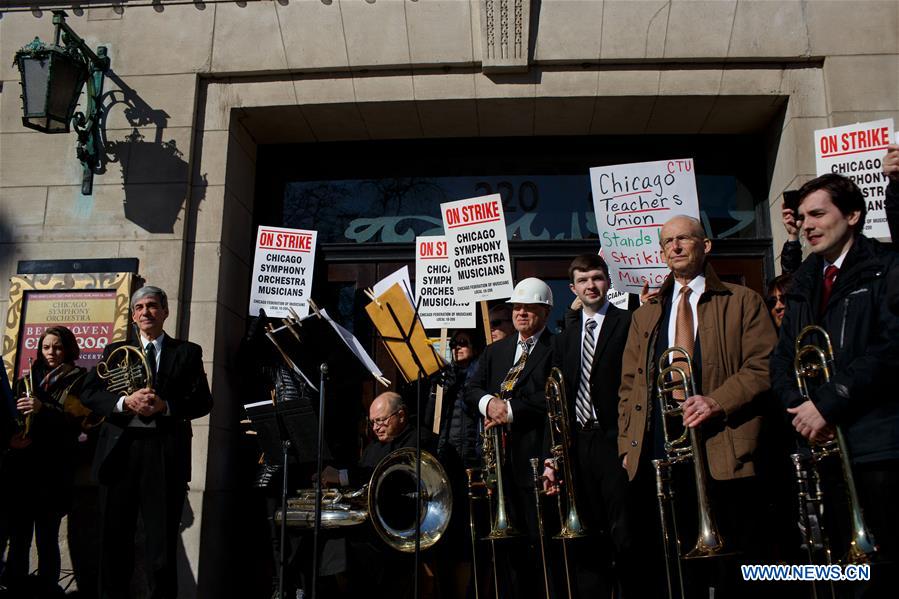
[
  {"x": 728, "y": 328},
  {"x": 390, "y": 424}
]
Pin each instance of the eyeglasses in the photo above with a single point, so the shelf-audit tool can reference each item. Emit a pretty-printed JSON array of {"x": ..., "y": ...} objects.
[
  {"x": 458, "y": 343},
  {"x": 773, "y": 300},
  {"x": 379, "y": 422},
  {"x": 680, "y": 239},
  {"x": 494, "y": 324}
]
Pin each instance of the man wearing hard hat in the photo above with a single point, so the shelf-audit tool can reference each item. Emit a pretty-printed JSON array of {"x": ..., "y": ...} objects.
[{"x": 508, "y": 390}]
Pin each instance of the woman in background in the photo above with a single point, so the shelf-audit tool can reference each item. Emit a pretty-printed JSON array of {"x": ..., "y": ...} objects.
[{"x": 38, "y": 468}]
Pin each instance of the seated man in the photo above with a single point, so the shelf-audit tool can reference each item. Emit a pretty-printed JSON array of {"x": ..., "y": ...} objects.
[{"x": 376, "y": 569}]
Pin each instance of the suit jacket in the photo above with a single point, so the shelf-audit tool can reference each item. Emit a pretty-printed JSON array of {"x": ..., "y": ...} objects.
[
  {"x": 181, "y": 382},
  {"x": 605, "y": 375},
  {"x": 528, "y": 399}
]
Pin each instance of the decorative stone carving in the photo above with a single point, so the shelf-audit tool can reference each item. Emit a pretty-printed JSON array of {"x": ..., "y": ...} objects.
[{"x": 505, "y": 35}]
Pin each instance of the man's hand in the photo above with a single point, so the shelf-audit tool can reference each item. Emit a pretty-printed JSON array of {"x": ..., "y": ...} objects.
[
  {"x": 624, "y": 462},
  {"x": 330, "y": 476},
  {"x": 550, "y": 483},
  {"x": 891, "y": 162},
  {"x": 809, "y": 422},
  {"x": 789, "y": 220},
  {"x": 699, "y": 408},
  {"x": 497, "y": 413},
  {"x": 27, "y": 405},
  {"x": 646, "y": 294},
  {"x": 145, "y": 402}
]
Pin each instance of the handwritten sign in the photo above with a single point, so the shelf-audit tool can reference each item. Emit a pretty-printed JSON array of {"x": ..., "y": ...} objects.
[
  {"x": 856, "y": 151},
  {"x": 478, "y": 248},
  {"x": 282, "y": 271},
  {"x": 631, "y": 203},
  {"x": 437, "y": 303}
]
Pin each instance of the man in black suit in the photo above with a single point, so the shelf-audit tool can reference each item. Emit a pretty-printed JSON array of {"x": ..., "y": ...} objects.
[
  {"x": 508, "y": 390},
  {"x": 588, "y": 352},
  {"x": 144, "y": 452}
]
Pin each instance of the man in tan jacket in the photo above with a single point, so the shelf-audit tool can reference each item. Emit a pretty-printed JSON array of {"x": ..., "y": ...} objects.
[{"x": 727, "y": 329}]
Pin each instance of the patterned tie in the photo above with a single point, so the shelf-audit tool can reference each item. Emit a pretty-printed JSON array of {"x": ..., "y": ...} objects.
[
  {"x": 583, "y": 406},
  {"x": 683, "y": 330},
  {"x": 509, "y": 382},
  {"x": 830, "y": 275}
]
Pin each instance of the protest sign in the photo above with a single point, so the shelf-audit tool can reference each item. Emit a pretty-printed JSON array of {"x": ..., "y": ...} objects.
[
  {"x": 478, "y": 248},
  {"x": 856, "y": 151},
  {"x": 437, "y": 303},
  {"x": 631, "y": 203},
  {"x": 282, "y": 271}
]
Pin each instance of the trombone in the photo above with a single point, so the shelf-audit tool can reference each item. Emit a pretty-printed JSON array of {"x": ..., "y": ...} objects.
[
  {"x": 677, "y": 379},
  {"x": 560, "y": 445},
  {"x": 810, "y": 362}
]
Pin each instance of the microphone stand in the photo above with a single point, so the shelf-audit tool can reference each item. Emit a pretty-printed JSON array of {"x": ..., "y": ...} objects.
[{"x": 318, "y": 487}]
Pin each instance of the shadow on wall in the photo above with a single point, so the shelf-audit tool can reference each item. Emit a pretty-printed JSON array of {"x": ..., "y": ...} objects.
[{"x": 155, "y": 176}]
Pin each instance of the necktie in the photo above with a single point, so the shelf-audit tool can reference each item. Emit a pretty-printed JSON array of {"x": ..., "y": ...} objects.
[
  {"x": 583, "y": 406},
  {"x": 151, "y": 358},
  {"x": 683, "y": 329},
  {"x": 150, "y": 354},
  {"x": 830, "y": 275},
  {"x": 509, "y": 382}
]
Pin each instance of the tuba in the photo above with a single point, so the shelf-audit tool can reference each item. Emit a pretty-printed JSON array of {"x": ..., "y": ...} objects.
[
  {"x": 810, "y": 362},
  {"x": 388, "y": 500},
  {"x": 677, "y": 379}
]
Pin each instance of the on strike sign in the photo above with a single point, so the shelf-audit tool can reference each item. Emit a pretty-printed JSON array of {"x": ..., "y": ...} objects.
[
  {"x": 478, "y": 248},
  {"x": 856, "y": 151},
  {"x": 282, "y": 271},
  {"x": 437, "y": 304},
  {"x": 632, "y": 202}
]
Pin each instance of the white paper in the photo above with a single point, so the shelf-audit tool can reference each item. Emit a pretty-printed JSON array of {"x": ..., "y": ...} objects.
[
  {"x": 438, "y": 306},
  {"x": 478, "y": 248},
  {"x": 401, "y": 277},
  {"x": 631, "y": 202},
  {"x": 856, "y": 151},
  {"x": 282, "y": 271}
]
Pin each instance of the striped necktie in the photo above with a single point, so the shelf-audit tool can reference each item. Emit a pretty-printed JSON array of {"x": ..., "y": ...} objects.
[{"x": 583, "y": 404}]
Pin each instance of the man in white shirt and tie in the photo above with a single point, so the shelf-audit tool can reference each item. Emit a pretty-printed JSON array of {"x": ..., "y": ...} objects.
[
  {"x": 726, "y": 330},
  {"x": 588, "y": 352},
  {"x": 143, "y": 454}
]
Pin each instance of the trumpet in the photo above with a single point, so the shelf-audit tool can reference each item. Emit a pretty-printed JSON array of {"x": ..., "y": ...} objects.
[
  {"x": 810, "y": 362},
  {"x": 677, "y": 379},
  {"x": 21, "y": 438}
]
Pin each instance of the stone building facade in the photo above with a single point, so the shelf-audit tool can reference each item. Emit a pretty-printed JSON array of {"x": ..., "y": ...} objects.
[{"x": 197, "y": 88}]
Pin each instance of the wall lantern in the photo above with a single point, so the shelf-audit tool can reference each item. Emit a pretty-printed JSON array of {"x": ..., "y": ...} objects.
[{"x": 52, "y": 76}]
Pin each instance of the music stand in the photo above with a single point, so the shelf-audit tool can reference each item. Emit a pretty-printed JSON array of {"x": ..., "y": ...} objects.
[{"x": 398, "y": 323}]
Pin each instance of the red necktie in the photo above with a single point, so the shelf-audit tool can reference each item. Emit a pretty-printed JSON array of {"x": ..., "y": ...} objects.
[{"x": 830, "y": 275}]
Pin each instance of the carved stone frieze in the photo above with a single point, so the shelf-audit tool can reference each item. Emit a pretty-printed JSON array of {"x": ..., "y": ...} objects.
[{"x": 505, "y": 35}]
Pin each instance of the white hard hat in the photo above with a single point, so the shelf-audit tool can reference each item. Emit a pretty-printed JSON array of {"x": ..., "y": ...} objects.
[{"x": 531, "y": 291}]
